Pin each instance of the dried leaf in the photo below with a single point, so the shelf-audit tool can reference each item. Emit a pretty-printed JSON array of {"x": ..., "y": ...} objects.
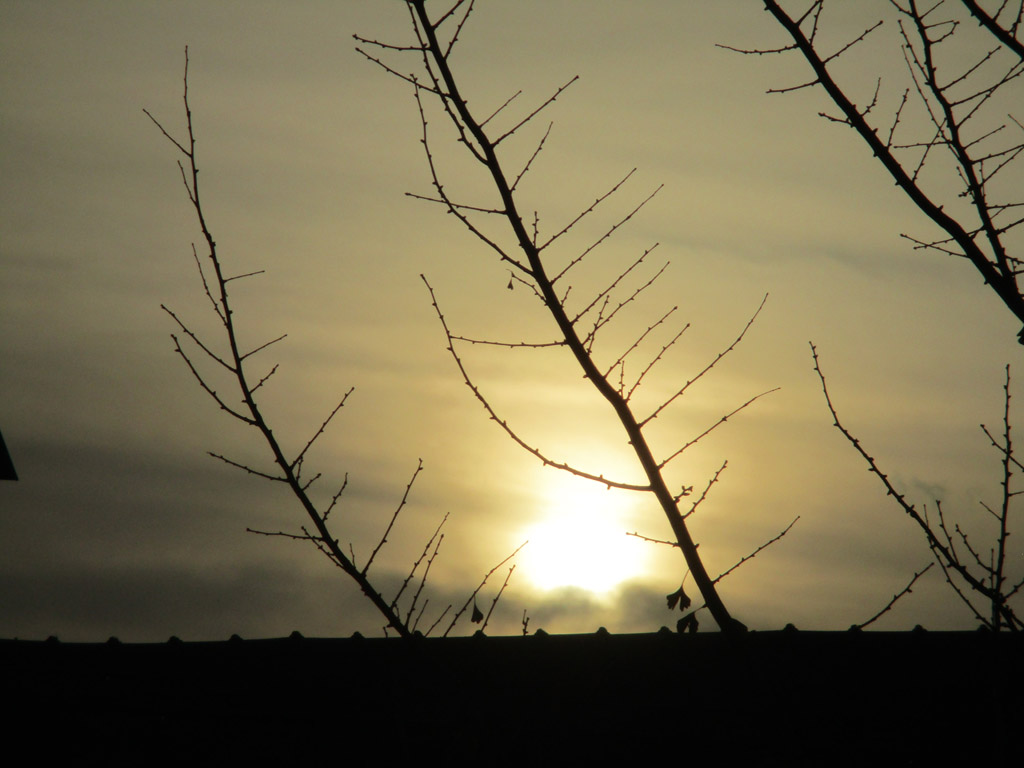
[
  {"x": 679, "y": 596},
  {"x": 688, "y": 623}
]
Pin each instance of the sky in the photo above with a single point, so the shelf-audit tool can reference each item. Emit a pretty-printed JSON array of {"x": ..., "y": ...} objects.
[{"x": 122, "y": 525}]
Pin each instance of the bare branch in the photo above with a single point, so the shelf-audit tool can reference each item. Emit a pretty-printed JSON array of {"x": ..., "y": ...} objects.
[
  {"x": 197, "y": 341},
  {"x": 398, "y": 509},
  {"x": 476, "y": 591},
  {"x": 584, "y": 213},
  {"x": 261, "y": 347},
  {"x": 473, "y": 135},
  {"x": 423, "y": 579},
  {"x": 323, "y": 426},
  {"x": 654, "y": 541},
  {"x": 945, "y": 552},
  {"x": 512, "y": 344},
  {"x": 508, "y": 101},
  {"x": 416, "y": 563},
  {"x": 606, "y": 292},
  {"x": 949, "y": 115},
  {"x": 216, "y": 289},
  {"x": 168, "y": 136},
  {"x": 206, "y": 286},
  {"x": 206, "y": 387},
  {"x": 265, "y": 379},
  {"x": 704, "y": 494},
  {"x": 245, "y": 275},
  {"x": 906, "y": 591},
  {"x": 522, "y": 173},
  {"x": 452, "y": 208},
  {"x": 295, "y": 536},
  {"x": 533, "y": 114},
  {"x": 757, "y": 551},
  {"x": 655, "y": 359},
  {"x": 437, "y": 621},
  {"x": 708, "y": 367},
  {"x": 504, "y": 425},
  {"x": 1007, "y": 36},
  {"x": 607, "y": 234},
  {"x": 716, "y": 425},
  {"x": 413, "y": 81},
  {"x": 334, "y": 499},
  {"x": 248, "y": 469},
  {"x": 639, "y": 340},
  {"x": 497, "y": 597}
]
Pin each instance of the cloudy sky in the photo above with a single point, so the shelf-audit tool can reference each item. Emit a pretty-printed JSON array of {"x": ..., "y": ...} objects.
[{"x": 121, "y": 524}]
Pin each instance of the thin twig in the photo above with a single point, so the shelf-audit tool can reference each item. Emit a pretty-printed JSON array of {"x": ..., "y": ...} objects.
[
  {"x": 476, "y": 591},
  {"x": 906, "y": 591}
]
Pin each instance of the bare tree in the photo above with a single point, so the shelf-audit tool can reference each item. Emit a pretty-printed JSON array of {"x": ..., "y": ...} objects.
[
  {"x": 972, "y": 573},
  {"x": 232, "y": 365},
  {"x": 943, "y": 134},
  {"x": 535, "y": 263}
]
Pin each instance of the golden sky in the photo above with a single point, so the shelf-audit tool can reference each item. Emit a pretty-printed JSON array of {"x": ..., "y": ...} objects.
[{"x": 121, "y": 525}]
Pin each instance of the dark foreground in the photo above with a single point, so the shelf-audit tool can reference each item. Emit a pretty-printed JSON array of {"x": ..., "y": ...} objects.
[{"x": 787, "y": 698}]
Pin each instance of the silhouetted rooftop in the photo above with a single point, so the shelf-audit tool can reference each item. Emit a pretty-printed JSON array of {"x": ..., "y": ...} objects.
[{"x": 822, "y": 698}]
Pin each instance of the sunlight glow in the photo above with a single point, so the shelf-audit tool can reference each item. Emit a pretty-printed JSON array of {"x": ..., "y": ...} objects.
[{"x": 582, "y": 539}]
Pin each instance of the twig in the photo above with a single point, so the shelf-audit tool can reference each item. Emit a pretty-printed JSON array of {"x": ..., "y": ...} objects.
[
  {"x": 897, "y": 596},
  {"x": 394, "y": 517},
  {"x": 757, "y": 551},
  {"x": 476, "y": 591}
]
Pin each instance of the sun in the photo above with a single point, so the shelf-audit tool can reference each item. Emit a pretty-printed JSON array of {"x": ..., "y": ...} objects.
[{"x": 581, "y": 540}]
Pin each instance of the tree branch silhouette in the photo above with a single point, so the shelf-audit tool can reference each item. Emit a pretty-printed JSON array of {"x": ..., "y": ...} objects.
[
  {"x": 988, "y": 580},
  {"x": 895, "y": 598},
  {"x": 288, "y": 468},
  {"x": 949, "y": 130},
  {"x": 532, "y": 265}
]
